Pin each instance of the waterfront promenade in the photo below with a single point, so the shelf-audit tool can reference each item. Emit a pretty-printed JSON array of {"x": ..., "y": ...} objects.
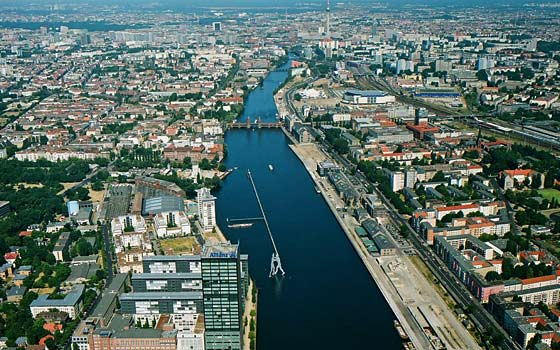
[{"x": 410, "y": 296}]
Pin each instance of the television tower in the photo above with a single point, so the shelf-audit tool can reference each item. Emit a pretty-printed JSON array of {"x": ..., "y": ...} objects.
[{"x": 328, "y": 23}]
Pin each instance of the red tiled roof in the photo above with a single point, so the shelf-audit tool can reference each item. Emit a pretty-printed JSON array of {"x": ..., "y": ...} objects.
[
  {"x": 517, "y": 172},
  {"x": 11, "y": 256},
  {"x": 25, "y": 234},
  {"x": 538, "y": 279},
  {"x": 458, "y": 207},
  {"x": 52, "y": 327},
  {"x": 44, "y": 339}
]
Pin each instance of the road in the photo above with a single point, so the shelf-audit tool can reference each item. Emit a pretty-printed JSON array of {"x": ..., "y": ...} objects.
[
  {"x": 108, "y": 254},
  {"x": 514, "y": 228}
]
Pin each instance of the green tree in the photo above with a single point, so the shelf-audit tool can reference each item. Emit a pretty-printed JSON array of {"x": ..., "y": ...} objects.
[
  {"x": 84, "y": 248},
  {"x": 97, "y": 186},
  {"x": 438, "y": 177},
  {"x": 482, "y": 75},
  {"x": 492, "y": 276},
  {"x": 507, "y": 268},
  {"x": 536, "y": 182},
  {"x": 205, "y": 164}
]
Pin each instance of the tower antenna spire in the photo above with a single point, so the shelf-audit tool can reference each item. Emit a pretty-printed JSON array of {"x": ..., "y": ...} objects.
[{"x": 328, "y": 23}]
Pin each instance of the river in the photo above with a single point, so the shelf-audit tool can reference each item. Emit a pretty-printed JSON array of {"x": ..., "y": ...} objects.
[{"x": 327, "y": 300}]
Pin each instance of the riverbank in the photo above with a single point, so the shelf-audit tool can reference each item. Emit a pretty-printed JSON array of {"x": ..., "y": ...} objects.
[
  {"x": 280, "y": 96},
  {"x": 250, "y": 318},
  {"x": 408, "y": 294}
]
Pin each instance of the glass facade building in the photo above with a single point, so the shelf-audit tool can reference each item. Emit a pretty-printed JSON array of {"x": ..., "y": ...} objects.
[{"x": 222, "y": 286}]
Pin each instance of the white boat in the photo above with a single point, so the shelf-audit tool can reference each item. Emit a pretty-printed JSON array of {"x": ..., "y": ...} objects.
[
  {"x": 270, "y": 167},
  {"x": 240, "y": 225}
]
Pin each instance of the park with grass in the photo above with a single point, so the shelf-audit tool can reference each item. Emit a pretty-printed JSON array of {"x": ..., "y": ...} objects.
[{"x": 180, "y": 245}]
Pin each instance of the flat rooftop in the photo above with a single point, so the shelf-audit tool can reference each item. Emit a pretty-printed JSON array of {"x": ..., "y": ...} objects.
[
  {"x": 369, "y": 93},
  {"x": 70, "y": 299},
  {"x": 221, "y": 250},
  {"x": 155, "y": 258}
]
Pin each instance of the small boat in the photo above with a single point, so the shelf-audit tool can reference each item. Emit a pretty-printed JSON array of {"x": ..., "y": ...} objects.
[
  {"x": 317, "y": 189},
  {"x": 240, "y": 225},
  {"x": 400, "y": 329},
  {"x": 270, "y": 167}
]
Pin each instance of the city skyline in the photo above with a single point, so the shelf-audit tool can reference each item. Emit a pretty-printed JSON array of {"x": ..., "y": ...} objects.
[{"x": 157, "y": 159}]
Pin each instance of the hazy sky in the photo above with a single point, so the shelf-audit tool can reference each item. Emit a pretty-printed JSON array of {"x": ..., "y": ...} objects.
[{"x": 263, "y": 3}]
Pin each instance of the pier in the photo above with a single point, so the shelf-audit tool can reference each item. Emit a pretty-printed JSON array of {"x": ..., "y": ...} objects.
[
  {"x": 244, "y": 219},
  {"x": 275, "y": 262}
]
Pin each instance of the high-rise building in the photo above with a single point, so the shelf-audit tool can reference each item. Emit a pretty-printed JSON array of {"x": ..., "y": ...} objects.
[
  {"x": 223, "y": 292},
  {"x": 397, "y": 180},
  {"x": 410, "y": 177},
  {"x": 206, "y": 209}
]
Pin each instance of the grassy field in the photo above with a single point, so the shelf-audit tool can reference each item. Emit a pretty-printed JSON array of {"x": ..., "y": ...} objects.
[
  {"x": 552, "y": 246},
  {"x": 43, "y": 290},
  {"x": 180, "y": 245},
  {"x": 212, "y": 237},
  {"x": 67, "y": 185},
  {"x": 96, "y": 196},
  {"x": 550, "y": 193}
]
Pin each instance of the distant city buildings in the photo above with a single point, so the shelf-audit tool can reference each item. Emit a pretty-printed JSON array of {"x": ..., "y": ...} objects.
[{"x": 144, "y": 101}]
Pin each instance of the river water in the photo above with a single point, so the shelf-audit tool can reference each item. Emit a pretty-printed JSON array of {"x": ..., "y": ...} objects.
[{"x": 327, "y": 300}]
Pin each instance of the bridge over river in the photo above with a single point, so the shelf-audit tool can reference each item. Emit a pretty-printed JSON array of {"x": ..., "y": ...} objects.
[{"x": 257, "y": 123}]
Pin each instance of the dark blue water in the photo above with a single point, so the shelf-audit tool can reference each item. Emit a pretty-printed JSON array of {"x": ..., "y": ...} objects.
[{"x": 327, "y": 300}]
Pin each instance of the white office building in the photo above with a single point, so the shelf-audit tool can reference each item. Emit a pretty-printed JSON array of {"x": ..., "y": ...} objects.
[
  {"x": 206, "y": 209},
  {"x": 128, "y": 223}
]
